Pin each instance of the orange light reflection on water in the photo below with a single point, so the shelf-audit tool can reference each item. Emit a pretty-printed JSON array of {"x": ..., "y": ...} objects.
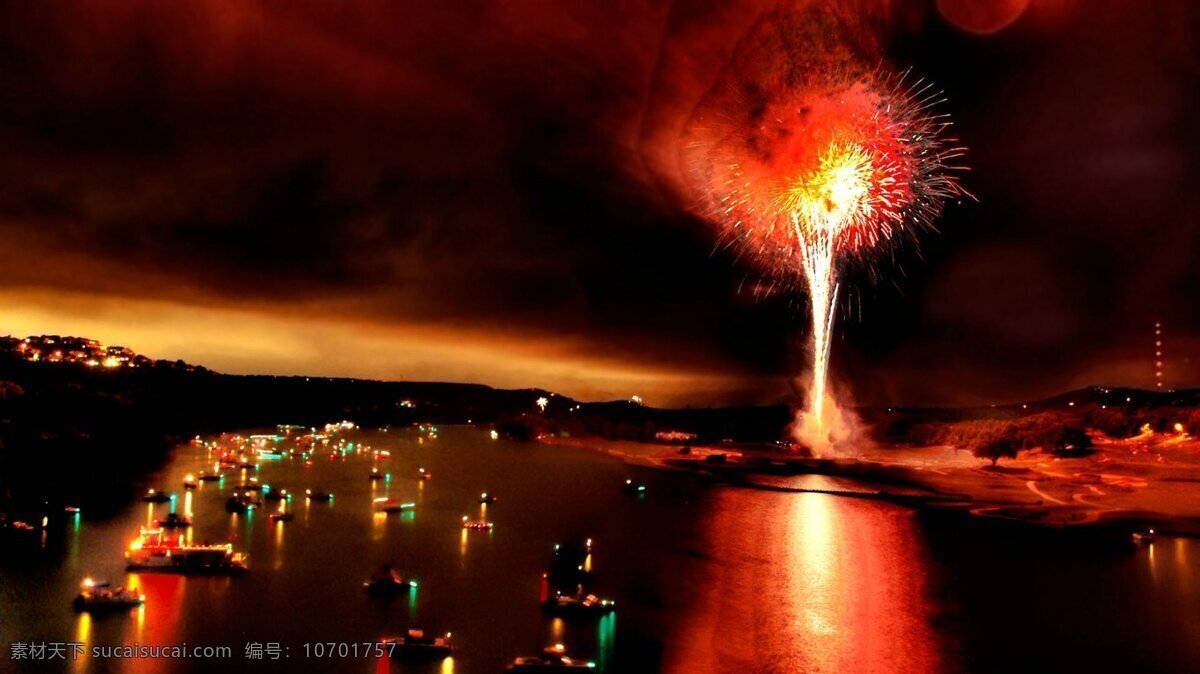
[
  {"x": 812, "y": 583},
  {"x": 158, "y": 620},
  {"x": 83, "y": 635}
]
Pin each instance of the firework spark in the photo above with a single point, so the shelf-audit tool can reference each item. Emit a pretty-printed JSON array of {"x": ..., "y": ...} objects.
[{"x": 822, "y": 174}]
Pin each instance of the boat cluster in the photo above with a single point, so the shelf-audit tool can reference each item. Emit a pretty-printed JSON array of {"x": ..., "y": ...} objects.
[{"x": 166, "y": 548}]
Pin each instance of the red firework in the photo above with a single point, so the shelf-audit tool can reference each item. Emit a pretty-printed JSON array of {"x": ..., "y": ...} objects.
[{"x": 765, "y": 171}]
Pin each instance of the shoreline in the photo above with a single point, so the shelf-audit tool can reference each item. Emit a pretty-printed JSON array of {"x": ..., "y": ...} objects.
[{"x": 914, "y": 487}]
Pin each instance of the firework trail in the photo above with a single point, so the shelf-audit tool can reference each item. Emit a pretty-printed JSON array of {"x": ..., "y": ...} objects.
[{"x": 812, "y": 162}]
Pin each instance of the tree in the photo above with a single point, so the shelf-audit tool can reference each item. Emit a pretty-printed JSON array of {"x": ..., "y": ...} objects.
[
  {"x": 1072, "y": 441},
  {"x": 1002, "y": 444}
]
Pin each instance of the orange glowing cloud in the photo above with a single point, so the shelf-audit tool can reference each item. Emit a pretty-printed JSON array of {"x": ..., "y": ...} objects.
[{"x": 246, "y": 341}]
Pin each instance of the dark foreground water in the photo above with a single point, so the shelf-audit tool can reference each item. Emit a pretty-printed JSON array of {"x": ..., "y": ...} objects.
[{"x": 708, "y": 579}]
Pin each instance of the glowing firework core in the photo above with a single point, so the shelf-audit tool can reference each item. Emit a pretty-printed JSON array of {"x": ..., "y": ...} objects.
[{"x": 833, "y": 195}]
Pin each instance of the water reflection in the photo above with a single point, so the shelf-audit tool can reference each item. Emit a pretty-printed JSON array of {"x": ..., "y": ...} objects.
[
  {"x": 378, "y": 525},
  {"x": 812, "y": 583},
  {"x": 83, "y": 635},
  {"x": 279, "y": 527},
  {"x": 606, "y": 632},
  {"x": 158, "y": 620}
]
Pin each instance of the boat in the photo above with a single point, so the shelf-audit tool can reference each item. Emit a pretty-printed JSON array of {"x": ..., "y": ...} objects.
[
  {"x": 630, "y": 488},
  {"x": 241, "y": 502},
  {"x": 155, "y": 496},
  {"x": 384, "y": 504},
  {"x": 477, "y": 525},
  {"x": 209, "y": 477},
  {"x": 387, "y": 581},
  {"x": 282, "y": 517},
  {"x": 173, "y": 521},
  {"x": 376, "y": 475},
  {"x": 277, "y": 495},
  {"x": 152, "y": 551},
  {"x": 318, "y": 494},
  {"x": 102, "y": 596},
  {"x": 487, "y": 498},
  {"x": 552, "y": 659},
  {"x": 416, "y": 645},
  {"x": 579, "y": 604},
  {"x": 1146, "y": 536},
  {"x": 189, "y": 481},
  {"x": 424, "y": 474}
]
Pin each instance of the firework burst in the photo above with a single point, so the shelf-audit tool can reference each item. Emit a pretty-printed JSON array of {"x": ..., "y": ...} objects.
[{"x": 811, "y": 178}]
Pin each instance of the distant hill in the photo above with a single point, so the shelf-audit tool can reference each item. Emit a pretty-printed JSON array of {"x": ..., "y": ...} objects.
[
  {"x": 93, "y": 418},
  {"x": 1103, "y": 397}
]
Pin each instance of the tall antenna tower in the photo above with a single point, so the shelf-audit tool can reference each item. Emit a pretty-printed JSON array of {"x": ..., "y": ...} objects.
[{"x": 1158, "y": 355}]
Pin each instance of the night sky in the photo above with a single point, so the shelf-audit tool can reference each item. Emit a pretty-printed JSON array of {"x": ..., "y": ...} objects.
[{"x": 492, "y": 192}]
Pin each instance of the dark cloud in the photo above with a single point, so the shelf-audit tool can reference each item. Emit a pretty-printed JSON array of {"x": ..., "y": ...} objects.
[{"x": 514, "y": 168}]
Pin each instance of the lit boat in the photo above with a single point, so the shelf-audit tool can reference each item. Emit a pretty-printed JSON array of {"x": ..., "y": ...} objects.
[
  {"x": 579, "y": 604},
  {"x": 1146, "y": 536},
  {"x": 376, "y": 475},
  {"x": 249, "y": 486},
  {"x": 241, "y": 502},
  {"x": 393, "y": 505},
  {"x": 155, "y": 496},
  {"x": 553, "y": 659},
  {"x": 277, "y": 495},
  {"x": 101, "y": 596},
  {"x": 282, "y": 515},
  {"x": 387, "y": 581},
  {"x": 318, "y": 494},
  {"x": 152, "y": 551},
  {"x": 477, "y": 525},
  {"x": 416, "y": 645},
  {"x": 209, "y": 477},
  {"x": 424, "y": 474},
  {"x": 487, "y": 498},
  {"x": 173, "y": 521},
  {"x": 630, "y": 488},
  {"x": 189, "y": 481}
]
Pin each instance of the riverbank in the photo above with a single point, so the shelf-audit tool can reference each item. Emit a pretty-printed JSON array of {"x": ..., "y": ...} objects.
[{"x": 1133, "y": 485}]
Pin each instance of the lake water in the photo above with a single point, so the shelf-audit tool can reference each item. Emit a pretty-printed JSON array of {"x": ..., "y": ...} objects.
[{"x": 707, "y": 578}]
